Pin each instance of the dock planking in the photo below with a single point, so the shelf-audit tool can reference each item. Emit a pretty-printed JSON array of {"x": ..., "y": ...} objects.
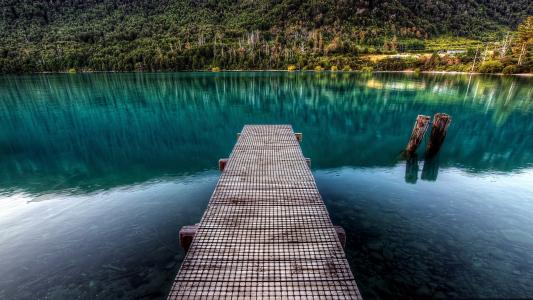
[{"x": 266, "y": 233}]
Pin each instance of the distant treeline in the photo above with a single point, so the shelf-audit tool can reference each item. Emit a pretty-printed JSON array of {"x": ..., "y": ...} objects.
[{"x": 142, "y": 35}]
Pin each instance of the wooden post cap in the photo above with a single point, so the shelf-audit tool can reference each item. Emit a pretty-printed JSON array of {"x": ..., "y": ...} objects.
[
  {"x": 419, "y": 130},
  {"x": 299, "y": 136},
  {"x": 187, "y": 234},
  {"x": 222, "y": 164}
]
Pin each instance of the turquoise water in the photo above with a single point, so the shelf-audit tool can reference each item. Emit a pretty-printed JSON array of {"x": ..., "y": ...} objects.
[{"x": 98, "y": 172}]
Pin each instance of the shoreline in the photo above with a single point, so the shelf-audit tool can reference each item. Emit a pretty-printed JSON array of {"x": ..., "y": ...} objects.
[{"x": 275, "y": 70}]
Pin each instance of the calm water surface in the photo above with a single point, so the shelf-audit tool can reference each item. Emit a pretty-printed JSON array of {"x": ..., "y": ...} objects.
[{"x": 98, "y": 172}]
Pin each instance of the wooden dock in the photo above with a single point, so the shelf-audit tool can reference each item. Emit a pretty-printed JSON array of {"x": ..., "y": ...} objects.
[{"x": 266, "y": 233}]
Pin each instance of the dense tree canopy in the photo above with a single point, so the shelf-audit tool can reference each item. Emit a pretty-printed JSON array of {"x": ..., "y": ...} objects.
[{"x": 58, "y": 35}]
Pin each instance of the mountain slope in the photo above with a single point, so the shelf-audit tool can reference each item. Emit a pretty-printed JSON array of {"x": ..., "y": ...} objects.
[{"x": 55, "y": 35}]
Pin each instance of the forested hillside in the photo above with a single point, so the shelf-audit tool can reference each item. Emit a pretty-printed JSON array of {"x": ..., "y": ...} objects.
[{"x": 120, "y": 35}]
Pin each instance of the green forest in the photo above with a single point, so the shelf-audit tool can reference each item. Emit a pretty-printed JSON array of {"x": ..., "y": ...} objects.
[{"x": 488, "y": 36}]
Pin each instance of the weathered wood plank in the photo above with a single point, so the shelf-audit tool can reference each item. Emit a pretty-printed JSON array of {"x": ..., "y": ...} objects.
[
  {"x": 267, "y": 235},
  {"x": 264, "y": 252},
  {"x": 266, "y": 211},
  {"x": 328, "y": 269},
  {"x": 333, "y": 289},
  {"x": 256, "y": 197}
]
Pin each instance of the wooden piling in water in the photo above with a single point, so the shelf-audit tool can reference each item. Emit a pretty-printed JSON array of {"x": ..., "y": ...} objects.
[
  {"x": 441, "y": 122},
  {"x": 341, "y": 233},
  {"x": 419, "y": 130}
]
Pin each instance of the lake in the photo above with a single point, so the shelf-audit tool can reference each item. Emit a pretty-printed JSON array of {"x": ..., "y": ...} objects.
[{"x": 99, "y": 171}]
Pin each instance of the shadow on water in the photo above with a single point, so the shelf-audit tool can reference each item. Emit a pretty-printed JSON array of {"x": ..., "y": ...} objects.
[
  {"x": 97, "y": 172},
  {"x": 431, "y": 168},
  {"x": 411, "y": 169}
]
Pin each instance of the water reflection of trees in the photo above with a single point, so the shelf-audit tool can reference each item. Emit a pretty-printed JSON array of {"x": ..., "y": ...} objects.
[{"x": 105, "y": 129}]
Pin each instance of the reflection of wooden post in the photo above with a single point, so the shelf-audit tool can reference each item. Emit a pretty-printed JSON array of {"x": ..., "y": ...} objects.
[
  {"x": 419, "y": 129},
  {"x": 222, "y": 164},
  {"x": 430, "y": 171},
  {"x": 438, "y": 133},
  {"x": 411, "y": 169}
]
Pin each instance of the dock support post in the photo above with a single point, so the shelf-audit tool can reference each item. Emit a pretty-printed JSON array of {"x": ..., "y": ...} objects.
[
  {"x": 341, "y": 233},
  {"x": 187, "y": 234},
  {"x": 441, "y": 122},
  {"x": 419, "y": 130},
  {"x": 238, "y": 135},
  {"x": 299, "y": 136},
  {"x": 222, "y": 164},
  {"x": 308, "y": 161}
]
